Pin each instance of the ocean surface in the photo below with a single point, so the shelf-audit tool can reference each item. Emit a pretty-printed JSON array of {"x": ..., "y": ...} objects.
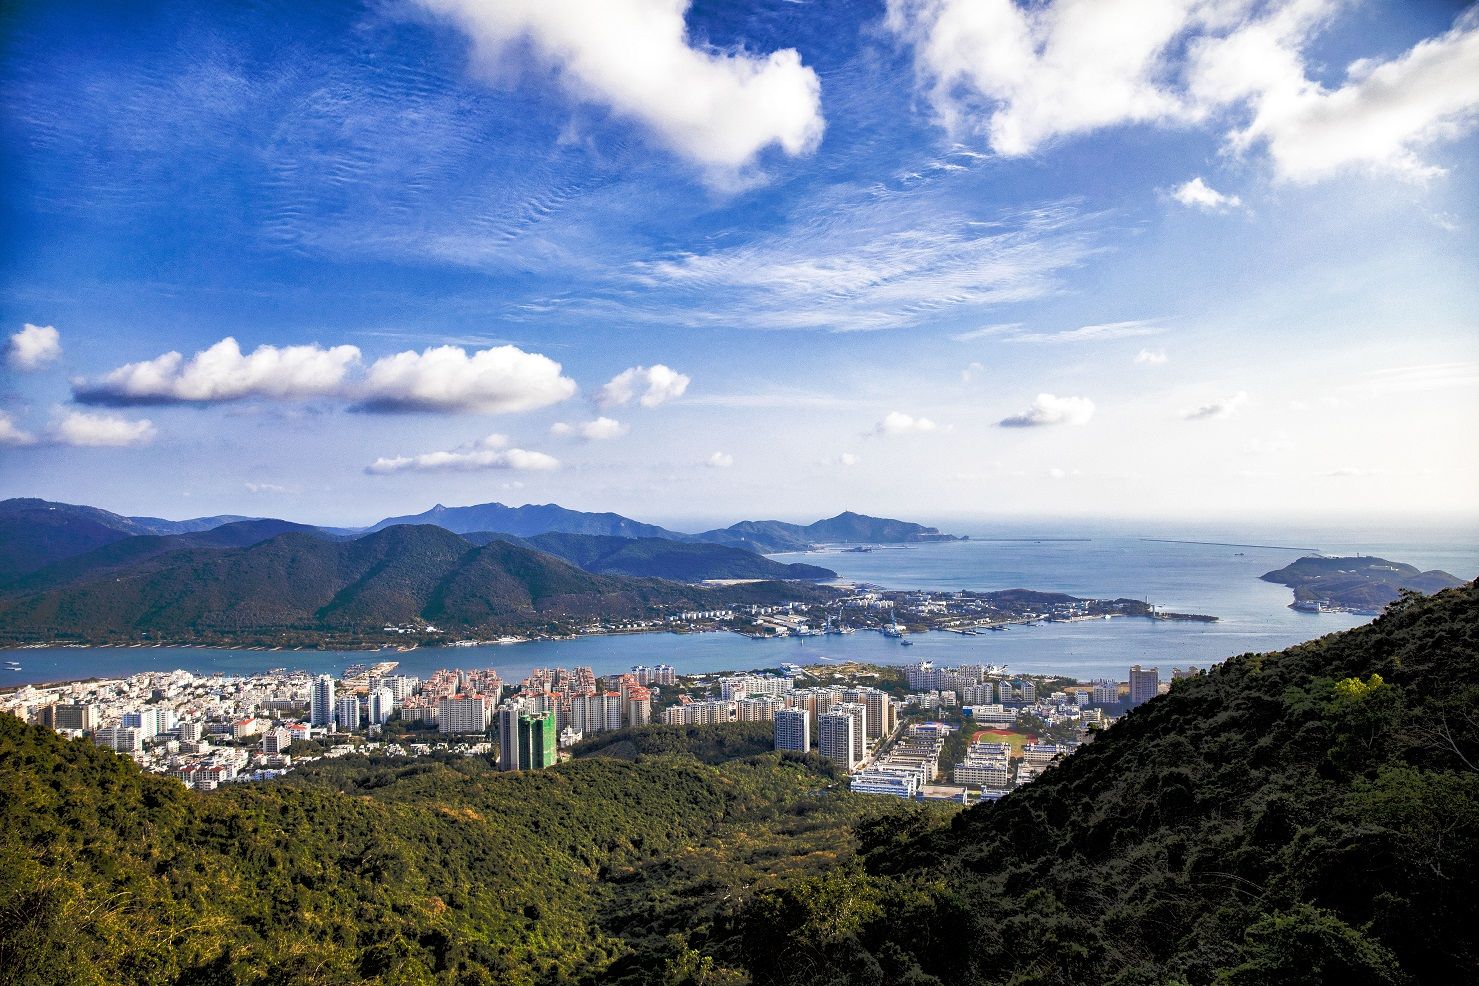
[{"x": 1185, "y": 575}]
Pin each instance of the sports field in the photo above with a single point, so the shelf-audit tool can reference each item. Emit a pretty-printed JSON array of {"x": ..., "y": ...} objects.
[{"x": 1011, "y": 736}]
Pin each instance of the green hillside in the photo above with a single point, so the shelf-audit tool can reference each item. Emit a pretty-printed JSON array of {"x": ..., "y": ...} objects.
[
  {"x": 1309, "y": 816},
  {"x": 596, "y": 871}
]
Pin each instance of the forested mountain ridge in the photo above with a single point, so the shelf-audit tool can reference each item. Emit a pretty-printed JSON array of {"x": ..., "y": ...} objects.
[
  {"x": 304, "y": 581},
  {"x": 1307, "y": 816}
]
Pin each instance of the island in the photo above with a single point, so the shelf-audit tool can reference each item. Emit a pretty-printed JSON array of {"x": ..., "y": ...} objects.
[{"x": 1362, "y": 584}]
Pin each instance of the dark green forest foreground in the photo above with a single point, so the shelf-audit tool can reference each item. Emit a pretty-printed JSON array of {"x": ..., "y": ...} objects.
[{"x": 1310, "y": 816}]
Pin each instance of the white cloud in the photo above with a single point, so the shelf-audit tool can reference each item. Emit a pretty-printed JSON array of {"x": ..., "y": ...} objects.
[
  {"x": 720, "y": 460},
  {"x": 1152, "y": 357},
  {"x": 1024, "y": 75},
  {"x": 899, "y": 423},
  {"x": 1041, "y": 71},
  {"x": 600, "y": 429},
  {"x": 857, "y": 259},
  {"x": 971, "y": 372},
  {"x": 97, "y": 430},
  {"x": 848, "y": 459},
  {"x": 487, "y": 454},
  {"x": 1216, "y": 409},
  {"x": 447, "y": 378},
  {"x": 649, "y": 386},
  {"x": 33, "y": 347},
  {"x": 1094, "y": 333},
  {"x": 259, "y": 489},
  {"x": 440, "y": 378},
  {"x": 222, "y": 373},
  {"x": 1199, "y": 195},
  {"x": 987, "y": 331},
  {"x": 719, "y": 109},
  {"x": 1383, "y": 114},
  {"x": 1048, "y": 409},
  {"x": 1423, "y": 378},
  {"x": 12, "y": 433}
]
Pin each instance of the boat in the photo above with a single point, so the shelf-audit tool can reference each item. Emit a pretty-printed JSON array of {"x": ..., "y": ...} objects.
[{"x": 907, "y": 642}]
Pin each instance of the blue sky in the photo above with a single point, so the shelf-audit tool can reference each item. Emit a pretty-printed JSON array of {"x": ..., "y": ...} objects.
[{"x": 1131, "y": 258}]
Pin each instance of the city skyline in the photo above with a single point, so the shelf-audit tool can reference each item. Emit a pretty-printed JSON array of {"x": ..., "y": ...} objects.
[{"x": 1123, "y": 259}]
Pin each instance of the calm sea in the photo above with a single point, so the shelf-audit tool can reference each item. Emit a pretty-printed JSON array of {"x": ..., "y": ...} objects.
[{"x": 1219, "y": 579}]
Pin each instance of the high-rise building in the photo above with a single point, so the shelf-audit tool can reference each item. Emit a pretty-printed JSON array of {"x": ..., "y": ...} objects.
[
  {"x": 276, "y": 741},
  {"x": 793, "y": 730},
  {"x": 189, "y": 732},
  {"x": 150, "y": 721},
  {"x": 321, "y": 702},
  {"x": 538, "y": 742},
  {"x": 859, "y": 713},
  {"x": 123, "y": 739},
  {"x": 1106, "y": 692},
  {"x": 835, "y": 738},
  {"x": 464, "y": 714},
  {"x": 880, "y": 710},
  {"x": 74, "y": 715},
  {"x": 346, "y": 713},
  {"x": 506, "y": 727},
  {"x": 380, "y": 703},
  {"x": 1144, "y": 684}
]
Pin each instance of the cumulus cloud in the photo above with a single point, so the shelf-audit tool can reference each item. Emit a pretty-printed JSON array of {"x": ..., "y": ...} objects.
[
  {"x": 718, "y": 109},
  {"x": 102, "y": 430},
  {"x": 223, "y": 373},
  {"x": 720, "y": 460},
  {"x": 971, "y": 372},
  {"x": 1025, "y": 74},
  {"x": 487, "y": 454},
  {"x": 899, "y": 423},
  {"x": 848, "y": 459},
  {"x": 1040, "y": 71},
  {"x": 12, "y": 433},
  {"x": 1197, "y": 194},
  {"x": 440, "y": 378},
  {"x": 600, "y": 429},
  {"x": 448, "y": 378},
  {"x": 1216, "y": 409},
  {"x": 33, "y": 347},
  {"x": 1152, "y": 357},
  {"x": 647, "y": 385},
  {"x": 1383, "y": 114},
  {"x": 1048, "y": 409}
]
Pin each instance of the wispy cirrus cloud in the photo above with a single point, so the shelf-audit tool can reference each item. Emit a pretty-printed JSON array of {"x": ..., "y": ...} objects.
[
  {"x": 1104, "y": 332},
  {"x": 859, "y": 260}
]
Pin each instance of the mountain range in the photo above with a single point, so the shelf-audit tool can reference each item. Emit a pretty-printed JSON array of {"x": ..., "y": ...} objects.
[
  {"x": 252, "y": 579},
  {"x": 36, "y": 533}
]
